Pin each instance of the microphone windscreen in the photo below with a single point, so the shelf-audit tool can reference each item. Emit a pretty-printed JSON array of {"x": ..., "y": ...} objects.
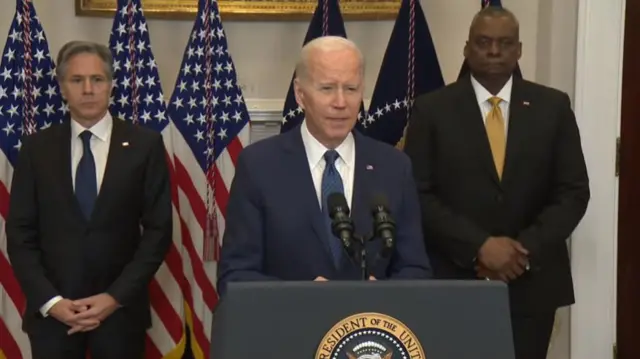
[
  {"x": 379, "y": 202},
  {"x": 336, "y": 201}
]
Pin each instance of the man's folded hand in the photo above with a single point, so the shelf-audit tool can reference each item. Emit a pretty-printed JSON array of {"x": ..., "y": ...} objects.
[
  {"x": 67, "y": 312},
  {"x": 98, "y": 308},
  {"x": 502, "y": 258}
]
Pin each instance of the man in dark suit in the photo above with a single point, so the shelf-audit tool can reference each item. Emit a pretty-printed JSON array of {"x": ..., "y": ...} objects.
[
  {"x": 277, "y": 221},
  {"x": 502, "y": 180},
  {"x": 89, "y": 221}
]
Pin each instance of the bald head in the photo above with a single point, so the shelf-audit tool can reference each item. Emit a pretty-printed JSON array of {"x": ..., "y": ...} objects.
[
  {"x": 494, "y": 48},
  {"x": 325, "y": 44},
  {"x": 490, "y": 13}
]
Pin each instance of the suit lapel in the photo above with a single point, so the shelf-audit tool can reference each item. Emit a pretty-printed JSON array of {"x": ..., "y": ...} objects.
[
  {"x": 116, "y": 156},
  {"x": 64, "y": 158},
  {"x": 518, "y": 122},
  {"x": 302, "y": 187},
  {"x": 362, "y": 180},
  {"x": 473, "y": 127}
]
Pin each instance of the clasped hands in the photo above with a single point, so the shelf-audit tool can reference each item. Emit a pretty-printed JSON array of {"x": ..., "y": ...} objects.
[
  {"x": 502, "y": 258},
  {"x": 85, "y": 314}
]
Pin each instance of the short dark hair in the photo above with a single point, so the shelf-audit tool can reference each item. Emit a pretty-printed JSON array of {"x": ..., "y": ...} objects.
[
  {"x": 72, "y": 48},
  {"x": 495, "y": 11}
]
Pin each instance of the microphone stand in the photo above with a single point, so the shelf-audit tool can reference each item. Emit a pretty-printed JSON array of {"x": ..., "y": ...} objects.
[{"x": 362, "y": 258}]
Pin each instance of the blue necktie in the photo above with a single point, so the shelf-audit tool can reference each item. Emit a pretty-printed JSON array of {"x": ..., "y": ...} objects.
[
  {"x": 331, "y": 182},
  {"x": 86, "y": 182}
]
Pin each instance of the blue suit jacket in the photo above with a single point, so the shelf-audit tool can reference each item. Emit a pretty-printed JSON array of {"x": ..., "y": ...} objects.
[{"x": 275, "y": 229}]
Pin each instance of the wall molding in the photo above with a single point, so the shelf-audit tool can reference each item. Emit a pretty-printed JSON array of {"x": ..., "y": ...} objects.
[{"x": 600, "y": 44}]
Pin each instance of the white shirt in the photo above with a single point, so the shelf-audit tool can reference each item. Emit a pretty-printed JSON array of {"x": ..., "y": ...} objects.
[
  {"x": 345, "y": 164},
  {"x": 483, "y": 96},
  {"x": 99, "y": 146},
  {"x": 99, "y": 143}
]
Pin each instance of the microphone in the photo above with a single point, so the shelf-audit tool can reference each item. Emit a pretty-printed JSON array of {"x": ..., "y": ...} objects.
[
  {"x": 383, "y": 225},
  {"x": 341, "y": 223}
]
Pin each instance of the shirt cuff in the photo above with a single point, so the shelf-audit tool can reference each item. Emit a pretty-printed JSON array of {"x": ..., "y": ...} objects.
[{"x": 44, "y": 310}]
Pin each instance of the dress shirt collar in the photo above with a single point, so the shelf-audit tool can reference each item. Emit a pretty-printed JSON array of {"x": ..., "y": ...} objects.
[
  {"x": 315, "y": 150},
  {"x": 101, "y": 130},
  {"x": 483, "y": 95}
]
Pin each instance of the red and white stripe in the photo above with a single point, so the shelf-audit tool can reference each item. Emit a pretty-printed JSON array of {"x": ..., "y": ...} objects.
[
  {"x": 166, "y": 338},
  {"x": 199, "y": 289},
  {"x": 14, "y": 344}
]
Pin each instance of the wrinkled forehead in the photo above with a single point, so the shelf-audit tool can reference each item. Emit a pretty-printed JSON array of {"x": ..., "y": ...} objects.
[
  {"x": 85, "y": 64},
  {"x": 336, "y": 66}
]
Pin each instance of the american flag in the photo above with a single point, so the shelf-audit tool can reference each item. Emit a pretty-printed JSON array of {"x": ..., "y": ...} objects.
[
  {"x": 326, "y": 21},
  {"x": 212, "y": 124},
  {"x": 29, "y": 101},
  {"x": 464, "y": 70},
  {"x": 137, "y": 97},
  {"x": 410, "y": 68}
]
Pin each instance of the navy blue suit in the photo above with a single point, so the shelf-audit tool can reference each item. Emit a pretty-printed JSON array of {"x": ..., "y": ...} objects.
[{"x": 275, "y": 229}]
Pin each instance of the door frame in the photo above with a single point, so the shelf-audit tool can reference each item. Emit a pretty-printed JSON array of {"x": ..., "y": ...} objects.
[{"x": 600, "y": 43}]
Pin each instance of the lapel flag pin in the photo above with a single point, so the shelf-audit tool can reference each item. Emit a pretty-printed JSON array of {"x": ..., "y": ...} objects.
[
  {"x": 526, "y": 103},
  {"x": 369, "y": 168},
  {"x": 125, "y": 144}
]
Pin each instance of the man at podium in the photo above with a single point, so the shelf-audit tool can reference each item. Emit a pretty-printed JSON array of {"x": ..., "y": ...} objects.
[{"x": 287, "y": 189}]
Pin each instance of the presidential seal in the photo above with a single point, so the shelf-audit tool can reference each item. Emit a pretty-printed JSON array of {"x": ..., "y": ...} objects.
[{"x": 370, "y": 336}]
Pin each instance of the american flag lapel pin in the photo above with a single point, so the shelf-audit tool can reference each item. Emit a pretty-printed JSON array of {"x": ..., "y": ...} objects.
[
  {"x": 369, "y": 168},
  {"x": 125, "y": 144},
  {"x": 526, "y": 103}
]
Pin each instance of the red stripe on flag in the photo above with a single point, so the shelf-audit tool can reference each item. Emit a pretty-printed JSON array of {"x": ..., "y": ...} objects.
[
  {"x": 222, "y": 194},
  {"x": 10, "y": 284},
  {"x": 234, "y": 148},
  {"x": 8, "y": 343},
  {"x": 4, "y": 200},
  {"x": 150, "y": 350},
  {"x": 183, "y": 180},
  {"x": 198, "y": 329},
  {"x": 196, "y": 202},
  {"x": 208, "y": 292},
  {"x": 181, "y": 177},
  {"x": 173, "y": 260},
  {"x": 198, "y": 208},
  {"x": 165, "y": 310}
]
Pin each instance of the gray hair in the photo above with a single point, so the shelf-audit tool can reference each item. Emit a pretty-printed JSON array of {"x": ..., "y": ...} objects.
[
  {"x": 325, "y": 43},
  {"x": 73, "y": 48}
]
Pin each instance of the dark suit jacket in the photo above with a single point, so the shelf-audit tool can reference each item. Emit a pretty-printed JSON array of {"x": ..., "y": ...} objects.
[
  {"x": 275, "y": 229},
  {"x": 54, "y": 250},
  {"x": 542, "y": 196}
]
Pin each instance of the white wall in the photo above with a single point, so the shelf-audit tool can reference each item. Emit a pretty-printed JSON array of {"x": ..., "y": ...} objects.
[
  {"x": 264, "y": 54},
  {"x": 598, "y": 93},
  {"x": 276, "y": 43},
  {"x": 557, "y": 21}
]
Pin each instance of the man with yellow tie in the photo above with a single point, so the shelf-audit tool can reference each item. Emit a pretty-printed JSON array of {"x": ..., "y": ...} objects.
[{"x": 502, "y": 180}]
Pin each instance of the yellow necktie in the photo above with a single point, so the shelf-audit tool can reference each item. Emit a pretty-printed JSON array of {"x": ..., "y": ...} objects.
[{"x": 496, "y": 134}]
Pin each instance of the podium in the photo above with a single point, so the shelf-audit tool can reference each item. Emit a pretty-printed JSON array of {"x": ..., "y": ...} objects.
[{"x": 431, "y": 319}]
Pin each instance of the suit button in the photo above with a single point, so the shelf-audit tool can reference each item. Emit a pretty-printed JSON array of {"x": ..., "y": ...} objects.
[{"x": 499, "y": 197}]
